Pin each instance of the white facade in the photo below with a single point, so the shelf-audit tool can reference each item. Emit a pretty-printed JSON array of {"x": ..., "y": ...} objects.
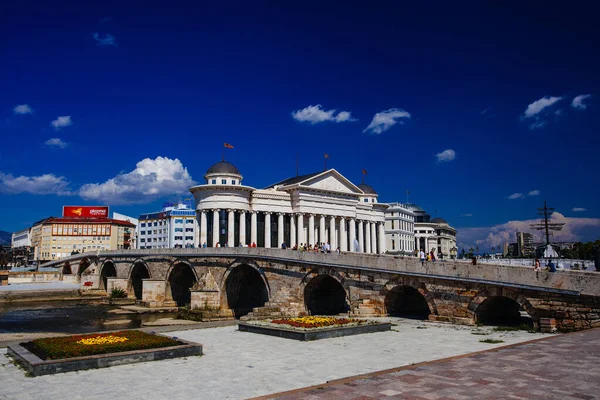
[
  {"x": 21, "y": 239},
  {"x": 135, "y": 221},
  {"x": 400, "y": 229},
  {"x": 322, "y": 207},
  {"x": 171, "y": 227}
]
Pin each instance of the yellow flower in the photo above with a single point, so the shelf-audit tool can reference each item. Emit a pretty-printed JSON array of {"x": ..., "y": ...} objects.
[{"x": 100, "y": 340}]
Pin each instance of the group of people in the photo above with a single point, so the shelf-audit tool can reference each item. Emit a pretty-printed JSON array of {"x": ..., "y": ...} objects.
[
  {"x": 253, "y": 244},
  {"x": 426, "y": 257},
  {"x": 317, "y": 248}
]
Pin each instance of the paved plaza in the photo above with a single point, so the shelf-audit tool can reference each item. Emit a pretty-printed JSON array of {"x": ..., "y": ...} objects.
[
  {"x": 239, "y": 365},
  {"x": 565, "y": 367}
]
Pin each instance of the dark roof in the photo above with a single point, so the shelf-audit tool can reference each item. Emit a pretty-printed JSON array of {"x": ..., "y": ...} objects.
[
  {"x": 69, "y": 220},
  {"x": 439, "y": 221},
  {"x": 295, "y": 179},
  {"x": 223, "y": 167},
  {"x": 413, "y": 207},
  {"x": 367, "y": 189}
]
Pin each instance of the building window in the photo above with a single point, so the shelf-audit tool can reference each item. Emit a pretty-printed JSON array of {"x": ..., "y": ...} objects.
[
  {"x": 155, "y": 224},
  {"x": 214, "y": 182},
  {"x": 223, "y": 181},
  {"x": 189, "y": 229},
  {"x": 233, "y": 181},
  {"x": 189, "y": 221},
  {"x": 179, "y": 221},
  {"x": 178, "y": 229},
  {"x": 366, "y": 200},
  {"x": 178, "y": 237},
  {"x": 143, "y": 224},
  {"x": 189, "y": 238},
  {"x": 142, "y": 240},
  {"x": 143, "y": 232}
]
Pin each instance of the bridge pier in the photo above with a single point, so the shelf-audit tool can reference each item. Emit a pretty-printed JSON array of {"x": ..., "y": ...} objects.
[
  {"x": 120, "y": 283},
  {"x": 154, "y": 294}
]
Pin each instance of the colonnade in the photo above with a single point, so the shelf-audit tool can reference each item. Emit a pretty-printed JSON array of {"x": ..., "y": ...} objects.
[{"x": 307, "y": 229}]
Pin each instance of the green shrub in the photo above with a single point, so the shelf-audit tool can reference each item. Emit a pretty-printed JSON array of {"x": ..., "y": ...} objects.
[
  {"x": 492, "y": 341},
  {"x": 118, "y": 293}
]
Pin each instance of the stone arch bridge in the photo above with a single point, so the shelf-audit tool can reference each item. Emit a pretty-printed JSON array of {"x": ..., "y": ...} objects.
[{"x": 260, "y": 283}]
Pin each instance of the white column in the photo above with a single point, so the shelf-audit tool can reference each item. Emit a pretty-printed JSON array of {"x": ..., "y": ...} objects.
[
  {"x": 381, "y": 239},
  {"x": 231, "y": 228},
  {"x": 243, "y": 228},
  {"x": 311, "y": 229},
  {"x": 301, "y": 229},
  {"x": 373, "y": 238},
  {"x": 352, "y": 227},
  {"x": 279, "y": 229},
  {"x": 267, "y": 229},
  {"x": 367, "y": 237},
  {"x": 343, "y": 238},
  {"x": 292, "y": 230},
  {"x": 332, "y": 239},
  {"x": 253, "y": 228},
  {"x": 203, "y": 228},
  {"x": 322, "y": 234},
  {"x": 215, "y": 228},
  {"x": 361, "y": 236}
]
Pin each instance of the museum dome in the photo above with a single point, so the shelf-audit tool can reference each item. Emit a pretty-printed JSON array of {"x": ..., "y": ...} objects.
[
  {"x": 223, "y": 167},
  {"x": 366, "y": 189}
]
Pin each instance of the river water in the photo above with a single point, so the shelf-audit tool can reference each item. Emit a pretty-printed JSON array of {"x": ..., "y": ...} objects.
[{"x": 69, "y": 317}]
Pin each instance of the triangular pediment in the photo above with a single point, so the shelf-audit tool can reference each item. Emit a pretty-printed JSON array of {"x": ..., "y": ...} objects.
[{"x": 331, "y": 181}]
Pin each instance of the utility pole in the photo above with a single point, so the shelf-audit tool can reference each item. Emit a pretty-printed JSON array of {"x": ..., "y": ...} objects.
[{"x": 546, "y": 226}]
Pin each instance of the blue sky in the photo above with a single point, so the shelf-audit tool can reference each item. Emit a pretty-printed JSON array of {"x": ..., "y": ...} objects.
[{"x": 466, "y": 106}]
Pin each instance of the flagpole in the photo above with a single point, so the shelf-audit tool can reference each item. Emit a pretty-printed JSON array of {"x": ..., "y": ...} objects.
[{"x": 325, "y": 163}]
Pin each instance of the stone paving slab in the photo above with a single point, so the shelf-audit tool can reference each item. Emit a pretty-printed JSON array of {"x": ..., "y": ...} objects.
[
  {"x": 562, "y": 367},
  {"x": 239, "y": 365}
]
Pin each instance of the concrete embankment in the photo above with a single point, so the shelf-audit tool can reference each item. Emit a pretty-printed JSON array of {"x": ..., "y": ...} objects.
[{"x": 42, "y": 295}]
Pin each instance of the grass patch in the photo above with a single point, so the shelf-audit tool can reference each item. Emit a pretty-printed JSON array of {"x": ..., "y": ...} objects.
[
  {"x": 480, "y": 333},
  {"x": 522, "y": 327},
  {"x": 101, "y": 343},
  {"x": 118, "y": 293},
  {"x": 421, "y": 327},
  {"x": 492, "y": 341}
]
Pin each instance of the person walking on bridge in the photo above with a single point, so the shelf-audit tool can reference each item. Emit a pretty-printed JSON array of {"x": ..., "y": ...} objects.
[{"x": 422, "y": 257}]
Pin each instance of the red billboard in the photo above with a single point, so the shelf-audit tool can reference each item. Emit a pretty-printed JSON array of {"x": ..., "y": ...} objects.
[{"x": 85, "y": 211}]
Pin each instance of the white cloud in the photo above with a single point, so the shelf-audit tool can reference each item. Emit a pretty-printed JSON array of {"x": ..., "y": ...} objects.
[
  {"x": 384, "y": 120},
  {"x": 446, "y": 155},
  {"x": 104, "y": 39},
  {"x": 534, "y": 193},
  {"x": 43, "y": 184},
  {"x": 316, "y": 114},
  {"x": 538, "y": 106},
  {"x": 62, "y": 122},
  {"x": 578, "y": 209},
  {"x": 56, "y": 142},
  {"x": 537, "y": 125},
  {"x": 23, "y": 109},
  {"x": 516, "y": 196},
  {"x": 578, "y": 101},
  {"x": 150, "y": 180},
  {"x": 575, "y": 229}
]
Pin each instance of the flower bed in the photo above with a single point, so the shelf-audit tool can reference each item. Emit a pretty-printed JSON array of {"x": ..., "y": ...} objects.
[
  {"x": 74, "y": 353},
  {"x": 100, "y": 343},
  {"x": 313, "y": 327},
  {"x": 312, "y": 322}
]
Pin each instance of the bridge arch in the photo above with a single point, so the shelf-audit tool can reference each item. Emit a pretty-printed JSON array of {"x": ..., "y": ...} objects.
[
  {"x": 107, "y": 270},
  {"x": 407, "y": 297},
  {"x": 244, "y": 286},
  {"x": 502, "y": 306},
  {"x": 180, "y": 277},
  {"x": 325, "y": 292},
  {"x": 66, "y": 268},
  {"x": 138, "y": 271},
  {"x": 84, "y": 263}
]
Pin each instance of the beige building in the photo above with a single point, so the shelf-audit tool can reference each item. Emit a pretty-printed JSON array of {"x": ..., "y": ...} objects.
[{"x": 55, "y": 238}]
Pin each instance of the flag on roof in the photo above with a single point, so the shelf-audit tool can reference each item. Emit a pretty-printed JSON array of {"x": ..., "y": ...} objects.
[{"x": 227, "y": 145}]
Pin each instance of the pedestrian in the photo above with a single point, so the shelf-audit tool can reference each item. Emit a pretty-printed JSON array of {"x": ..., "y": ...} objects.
[
  {"x": 283, "y": 246},
  {"x": 422, "y": 257},
  {"x": 537, "y": 265},
  {"x": 432, "y": 256},
  {"x": 204, "y": 245},
  {"x": 551, "y": 267}
]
